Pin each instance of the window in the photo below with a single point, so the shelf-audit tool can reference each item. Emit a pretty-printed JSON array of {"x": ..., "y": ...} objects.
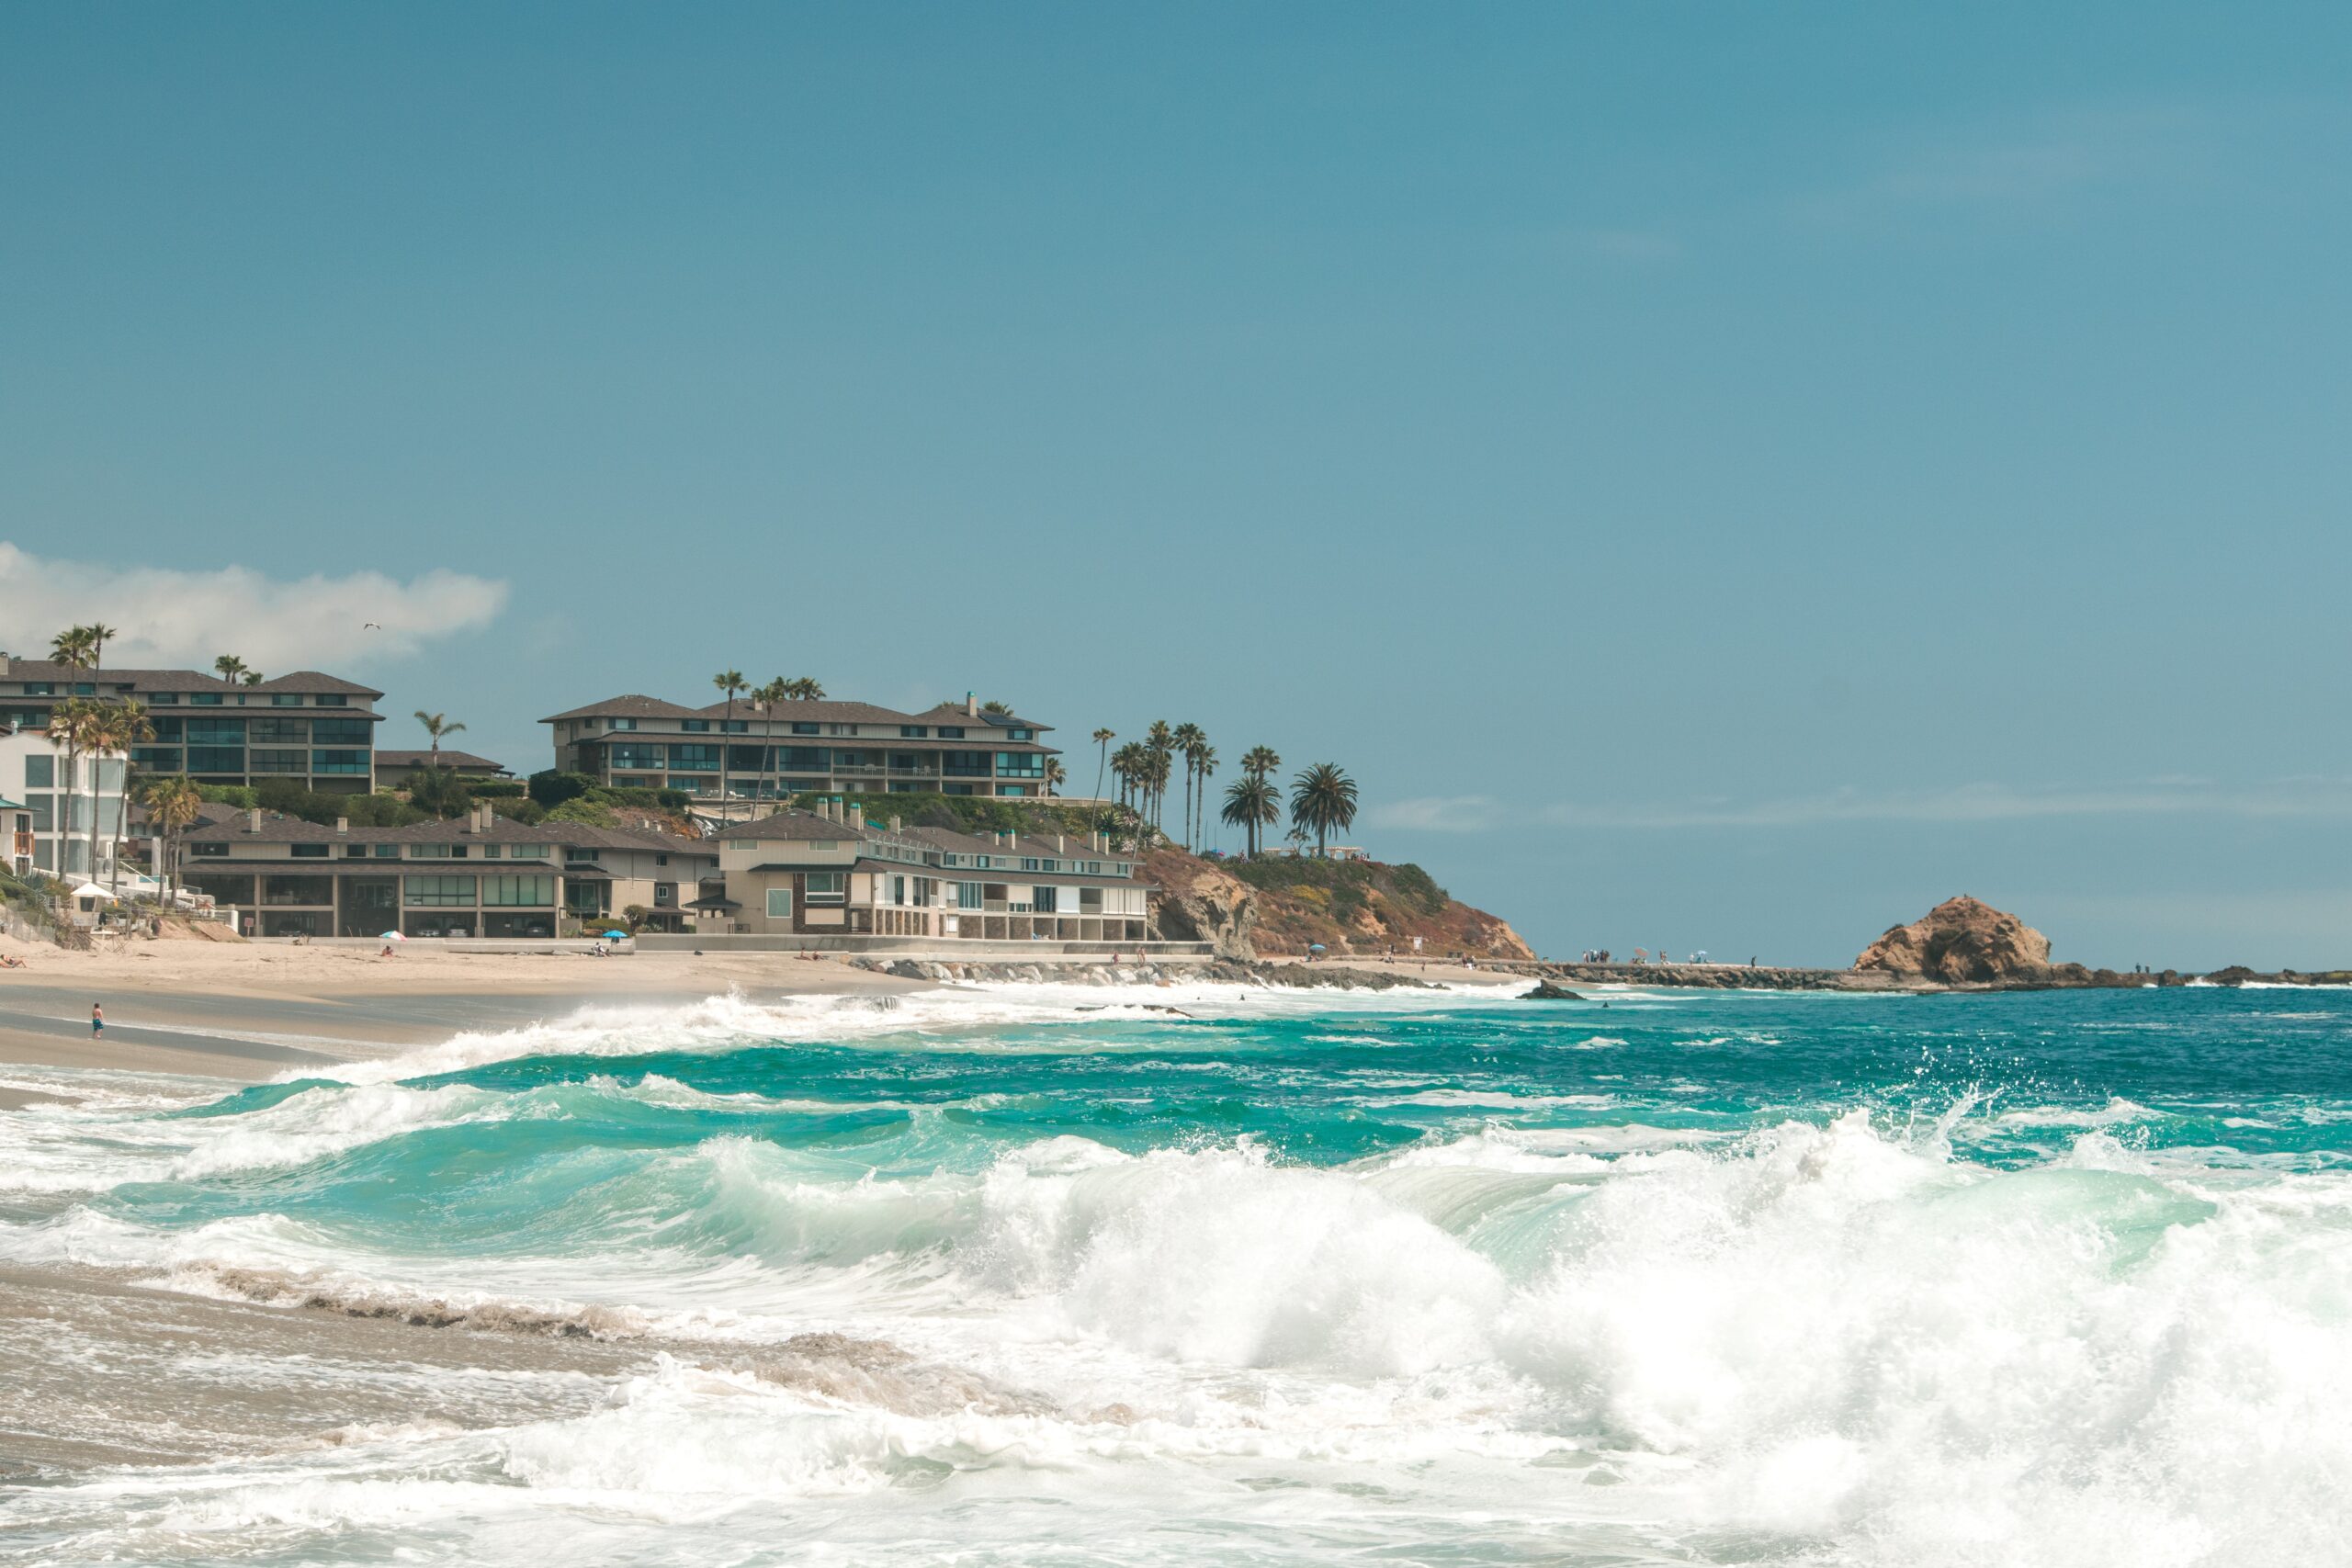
[
  {"x": 665, "y": 894},
  {"x": 86, "y": 688},
  {"x": 801, "y": 759},
  {"x": 779, "y": 903},
  {"x": 897, "y": 890},
  {"x": 436, "y": 851},
  {"x": 951, "y": 732},
  {"x": 276, "y": 761},
  {"x": 660, "y": 860},
  {"x": 735, "y": 726},
  {"x": 825, "y": 887},
  {"x": 1021, "y": 764},
  {"x": 693, "y": 759},
  {"x": 162, "y": 699},
  {"x": 914, "y": 731},
  {"x": 309, "y": 852},
  {"x": 298, "y": 889},
  {"x": 333, "y": 700},
  {"x": 216, "y": 759},
  {"x": 518, "y": 892},
  {"x": 694, "y": 726},
  {"x": 338, "y": 762},
  {"x": 1016, "y": 733},
  {"x": 571, "y": 855},
  {"x": 215, "y": 731},
  {"x": 208, "y": 850},
  {"x": 1042, "y": 899},
  {"x": 40, "y": 772},
  {"x": 802, "y": 727},
  {"x": 204, "y": 699},
  {"x": 278, "y": 732},
  {"x": 388, "y": 851},
  {"x": 339, "y": 732},
  {"x": 286, "y": 699},
  {"x": 222, "y": 886},
  {"x": 490, "y": 851},
  {"x": 624, "y": 724},
  {"x": 634, "y": 754},
  {"x": 40, "y": 688},
  {"x": 439, "y": 891},
  {"x": 964, "y": 764},
  {"x": 355, "y": 852},
  {"x": 1029, "y": 863},
  {"x": 970, "y": 895},
  {"x": 527, "y": 851}
]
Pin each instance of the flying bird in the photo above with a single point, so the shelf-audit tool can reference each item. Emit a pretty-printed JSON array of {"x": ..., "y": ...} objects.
[{"x": 370, "y": 626}]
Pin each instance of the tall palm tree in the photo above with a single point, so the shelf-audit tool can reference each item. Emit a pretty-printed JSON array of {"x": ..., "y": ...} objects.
[
  {"x": 1056, "y": 774},
  {"x": 1203, "y": 765},
  {"x": 1102, "y": 739},
  {"x": 777, "y": 690},
  {"x": 172, "y": 804},
  {"x": 126, "y": 727},
  {"x": 804, "y": 690},
  {"x": 251, "y": 677},
  {"x": 1323, "y": 798},
  {"x": 229, "y": 667},
  {"x": 1158, "y": 741},
  {"x": 1251, "y": 803},
  {"x": 100, "y": 635},
  {"x": 436, "y": 725},
  {"x": 1187, "y": 738},
  {"x": 1126, "y": 766},
  {"x": 731, "y": 683},
  {"x": 1260, "y": 762},
  {"x": 1157, "y": 781},
  {"x": 69, "y": 726}
]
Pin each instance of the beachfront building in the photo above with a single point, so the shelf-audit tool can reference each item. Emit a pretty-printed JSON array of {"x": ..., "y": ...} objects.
[
  {"x": 395, "y": 768},
  {"x": 802, "y": 748},
  {"x": 318, "y": 730},
  {"x": 479, "y": 877},
  {"x": 833, "y": 872},
  {"x": 55, "y": 800}
]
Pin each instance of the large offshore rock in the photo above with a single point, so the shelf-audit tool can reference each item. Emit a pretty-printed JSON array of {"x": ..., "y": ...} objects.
[{"x": 1961, "y": 942}]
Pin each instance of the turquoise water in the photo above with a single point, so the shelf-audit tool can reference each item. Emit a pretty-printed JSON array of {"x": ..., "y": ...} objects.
[{"x": 1038, "y": 1276}]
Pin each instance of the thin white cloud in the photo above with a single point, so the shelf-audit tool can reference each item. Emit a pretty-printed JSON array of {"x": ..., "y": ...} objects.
[
  {"x": 1439, "y": 814},
  {"x": 185, "y": 619}
]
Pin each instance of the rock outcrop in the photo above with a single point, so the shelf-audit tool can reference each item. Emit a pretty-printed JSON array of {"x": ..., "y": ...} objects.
[
  {"x": 1193, "y": 900},
  {"x": 1961, "y": 942}
]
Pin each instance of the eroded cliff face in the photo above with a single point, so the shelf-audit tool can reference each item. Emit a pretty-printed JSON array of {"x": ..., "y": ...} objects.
[
  {"x": 1961, "y": 942},
  {"x": 1192, "y": 900}
]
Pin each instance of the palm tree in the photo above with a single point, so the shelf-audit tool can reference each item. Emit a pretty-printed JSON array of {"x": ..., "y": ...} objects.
[
  {"x": 1127, "y": 767},
  {"x": 436, "y": 725},
  {"x": 1187, "y": 738},
  {"x": 1102, "y": 739},
  {"x": 76, "y": 649},
  {"x": 252, "y": 677},
  {"x": 229, "y": 667},
  {"x": 731, "y": 683},
  {"x": 1055, "y": 774},
  {"x": 100, "y": 635},
  {"x": 1323, "y": 798},
  {"x": 1204, "y": 764},
  {"x": 83, "y": 727},
  {"x": 1252, "y": 803},
  {"x": 172, "y": 804},
  {"x": 126, "y": 725},
  {"x": 801, "y": 689},
  {"x": 1260, "y": 762},
  {"x": 1155, "y": 781},
  {"x": 1157, "y": 741},
  {"x": 777, "y": 690},
  {"x": 994, "y": 706}
]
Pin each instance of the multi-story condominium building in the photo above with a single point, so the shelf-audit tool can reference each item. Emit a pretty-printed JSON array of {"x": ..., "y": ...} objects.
[
  {"x": 315, "y": 729},
  {"x": 830, "y": 872},
  {"x": 802, "y": 748},
  {"x": 50, "y": 795},
  {"x": 480, "y": 876}
]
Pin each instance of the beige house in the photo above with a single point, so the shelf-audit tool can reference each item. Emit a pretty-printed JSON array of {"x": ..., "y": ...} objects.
[
  {"x": 801, "y": 748},
  {"x": 480, "y": 876},
  {"x": 828, "y": 873}
]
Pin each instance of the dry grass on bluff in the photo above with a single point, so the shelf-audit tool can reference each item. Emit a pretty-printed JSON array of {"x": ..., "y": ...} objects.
[{"x": 1362, "y": 908}]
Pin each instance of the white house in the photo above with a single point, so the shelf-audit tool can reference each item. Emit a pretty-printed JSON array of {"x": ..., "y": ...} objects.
[{"x": 46, "y": 796}]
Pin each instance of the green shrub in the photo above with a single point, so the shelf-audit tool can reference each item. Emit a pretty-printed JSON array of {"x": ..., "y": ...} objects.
[
  {"x": 551, "y": 788},
  {"x": 1418, "y": 888},
  {"x": 239, "y": 795}
]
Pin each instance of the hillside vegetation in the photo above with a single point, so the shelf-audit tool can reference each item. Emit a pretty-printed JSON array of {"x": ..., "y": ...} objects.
[{"x": 1359, "y": 908}]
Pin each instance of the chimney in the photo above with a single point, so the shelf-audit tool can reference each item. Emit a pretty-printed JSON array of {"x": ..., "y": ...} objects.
[
  {"x": 1058, "y": 844},
  {"x": 897, "y": 825},
  {"x": 1011, "y": 839},
  {"x": 342, "y": 826},
  {"x": 971, "y": 705},
  {"x": 4, "y": 665},
  {"x": 253, "y": 820}
]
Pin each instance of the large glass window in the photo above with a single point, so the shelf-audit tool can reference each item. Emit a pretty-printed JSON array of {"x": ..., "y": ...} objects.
[
  {"x": 779, "y": 903},
  {"x": 633, "y": 754},
  {"x": 747, "y": 758},
  {"x": 802, "y": 727},
  {"x": 278, "y": 732},
  {"x": 914, "y": 731},
  {"x": 694, "y": 726},
  {"x": 951, "y": 732},
  {"x": 204, "y": 699},
  {"x": 964, "y": 764},
  {"x": 825, "y": 887},
  {"x": 309, "y": 852},
  {"x": 216, "y": 759},
  {"x": 439, "y": 890},
  {"x": 286, "y": 699},
  {"x": 802, "y": 759},
  {"x": 342, "y": 732},
  {"x": 333, "y": 700},
  {"x": 1021, "y": 764},
  {"x": 216, "y": 731},
  {"x": 338, "y": 762},
  {"x": 526, "y": 891},
  {"x": 157, "y": 759},
  {"x": 40, "y": 772},
  {"x": 693, "y": 759},
  {"x": 970, "y": 895},
  {"x": 277, "y": 761},
  {"x": 298, "y": 889}
]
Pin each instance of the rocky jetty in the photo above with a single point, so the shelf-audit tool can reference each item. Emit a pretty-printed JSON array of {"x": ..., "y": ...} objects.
[
  {"x": 1216, "y": 971},
  {"x": 1961, "y": 942}
]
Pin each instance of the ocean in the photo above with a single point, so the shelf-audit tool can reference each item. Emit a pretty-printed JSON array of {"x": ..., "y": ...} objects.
[{"x": 1038, "y": 1276}]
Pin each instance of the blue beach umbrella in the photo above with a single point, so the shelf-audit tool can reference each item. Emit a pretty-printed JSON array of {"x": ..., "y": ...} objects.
[
  {"x": 617, "y": 936},
  {"x": 1317, "y": 947}
]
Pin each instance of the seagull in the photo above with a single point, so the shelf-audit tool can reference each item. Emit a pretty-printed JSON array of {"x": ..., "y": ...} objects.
[{"x": 370, "y": 626}]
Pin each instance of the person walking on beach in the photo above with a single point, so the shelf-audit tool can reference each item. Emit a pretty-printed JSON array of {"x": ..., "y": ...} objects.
[{"x": 98, "y": 1021}]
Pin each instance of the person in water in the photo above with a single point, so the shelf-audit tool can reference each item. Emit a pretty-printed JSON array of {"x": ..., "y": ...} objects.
[{"x": 98, "y": 1021}]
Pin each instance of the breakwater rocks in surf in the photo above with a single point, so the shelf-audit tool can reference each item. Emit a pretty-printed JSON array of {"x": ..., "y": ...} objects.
[{"x": 1216, "y": 972}]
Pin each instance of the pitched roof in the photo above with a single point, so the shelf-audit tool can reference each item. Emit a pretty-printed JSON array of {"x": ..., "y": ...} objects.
[
  {"x": 629, "y": 706},
  {"x": 279, "y": 829},
  {"x": 449, "y": 759},
  {"x": 180, "y": 680},
  {"x": 953, "y": 712},
  {"x": 819, "y": 710},
  {"x": 798, "y": 825}
]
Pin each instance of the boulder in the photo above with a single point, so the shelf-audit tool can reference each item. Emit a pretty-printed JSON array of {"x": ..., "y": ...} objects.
[
  {"x": 1545, "y": 991},
  {"x": 1962, "y": 941}
]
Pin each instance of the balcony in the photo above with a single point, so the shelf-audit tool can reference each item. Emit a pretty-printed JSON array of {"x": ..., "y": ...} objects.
[{"x": 858, "y": 769}]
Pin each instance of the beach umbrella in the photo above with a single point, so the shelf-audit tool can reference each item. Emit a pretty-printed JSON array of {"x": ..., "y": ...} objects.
[
  {"x": 92, "y": 890},
  {"x": 1317, "y": 947},
  {"x": 394, "y": 936},
  {"x": 616, "y": 936}
]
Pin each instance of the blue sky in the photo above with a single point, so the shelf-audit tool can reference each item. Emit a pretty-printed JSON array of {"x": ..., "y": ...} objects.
[{"x": 1718, "y": 476}]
